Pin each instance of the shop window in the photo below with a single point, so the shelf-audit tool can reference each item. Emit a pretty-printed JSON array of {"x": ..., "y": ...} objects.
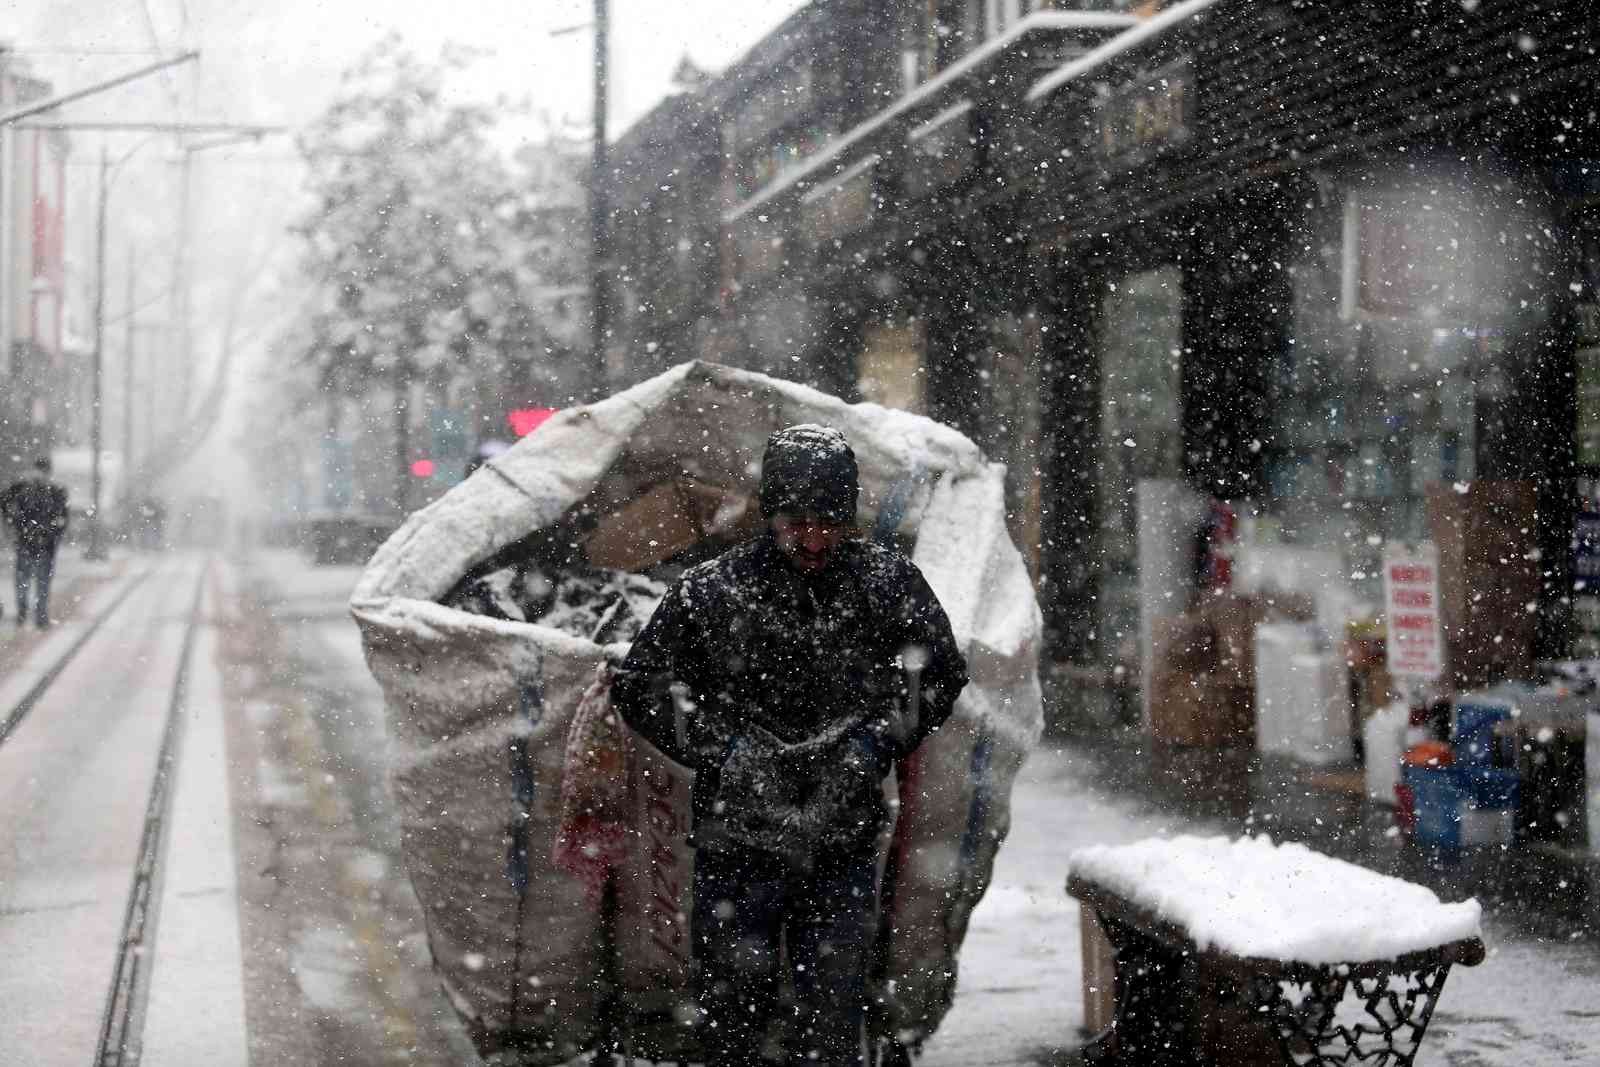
[
  {"x": 1140, "y": 434},
  {"x": 936, "y": 33},
  {"x": 1412, "y": 306},
  {"x": 1586, "y": 432},
  {"x": 1001, "y": 15},
  {"x": 766, "y": 162}
]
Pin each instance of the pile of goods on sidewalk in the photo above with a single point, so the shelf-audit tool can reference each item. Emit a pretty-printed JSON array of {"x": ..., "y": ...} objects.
[
  {"x": 487, "y": 619},
  {"x": 1431, "y": 700},
  {"x": 1494, "y": 766}
]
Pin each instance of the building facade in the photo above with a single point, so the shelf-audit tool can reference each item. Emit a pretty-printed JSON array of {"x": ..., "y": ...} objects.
[
  {"x": 1308, "y": 260},
  {"x": 34, "y": 375}
]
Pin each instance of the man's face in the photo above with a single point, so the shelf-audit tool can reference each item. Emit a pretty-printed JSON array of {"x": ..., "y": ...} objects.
[{"x": 808, "y": 540}]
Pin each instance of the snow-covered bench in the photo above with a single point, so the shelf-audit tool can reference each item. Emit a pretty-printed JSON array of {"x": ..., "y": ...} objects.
[{"x": 1243, "y": 952}]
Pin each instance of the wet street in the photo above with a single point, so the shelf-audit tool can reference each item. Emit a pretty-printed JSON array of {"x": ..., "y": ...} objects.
[{"x": 293, "y": 926}]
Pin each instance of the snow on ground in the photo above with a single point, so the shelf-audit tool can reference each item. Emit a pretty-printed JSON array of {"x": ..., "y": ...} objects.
[
  {"x": 1530, "y": 1004},
  {"x": 1019, "y": 993}
]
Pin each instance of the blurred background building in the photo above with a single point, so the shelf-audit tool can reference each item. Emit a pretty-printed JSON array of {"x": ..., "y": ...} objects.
[{"x": 39, "y": 376}]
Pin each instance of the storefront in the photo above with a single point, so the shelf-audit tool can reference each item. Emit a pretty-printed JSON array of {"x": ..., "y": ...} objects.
[
  {"x": 1306, "y": 313},
  {"x": 1422, "y": 294}
]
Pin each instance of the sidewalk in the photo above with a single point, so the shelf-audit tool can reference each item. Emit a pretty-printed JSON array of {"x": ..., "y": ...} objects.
[
  {"x": 76, "y": 580},
  {"x": 1546, "y": 892},
  {"x": 1531, "y": 1002}
]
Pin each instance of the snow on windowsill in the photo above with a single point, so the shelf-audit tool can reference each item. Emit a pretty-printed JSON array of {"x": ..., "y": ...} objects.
[{"x": 1252, "y": 898}]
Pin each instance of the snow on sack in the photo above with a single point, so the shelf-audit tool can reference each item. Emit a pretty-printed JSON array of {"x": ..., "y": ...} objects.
[{"x": 485, "y": 665}]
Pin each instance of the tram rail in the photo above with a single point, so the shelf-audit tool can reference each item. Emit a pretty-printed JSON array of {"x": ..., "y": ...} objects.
[
  {"x": 19, "y": 710},
  {"x": 122, "y": 1024}
]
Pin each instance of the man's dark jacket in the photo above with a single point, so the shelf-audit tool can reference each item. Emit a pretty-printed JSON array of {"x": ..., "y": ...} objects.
[
  {"x": 791, "y": 680},
  {"x": 36, "y": 508}
]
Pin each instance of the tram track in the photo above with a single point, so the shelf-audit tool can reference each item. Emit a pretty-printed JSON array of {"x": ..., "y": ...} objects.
[
  {"x": 19, "y": 710},
  {"x": 122, "y": 1022}
]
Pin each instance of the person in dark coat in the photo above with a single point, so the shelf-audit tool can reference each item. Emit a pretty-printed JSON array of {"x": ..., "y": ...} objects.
[
  {"x": 790, "y": 673},
  {"x": 36, "y": 509}
]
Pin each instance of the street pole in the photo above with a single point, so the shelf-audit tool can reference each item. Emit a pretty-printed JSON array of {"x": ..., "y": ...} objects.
[
  {"x": 97, "y": 548},
  {"x": 127, "y": 384},
  {"x": 179, "y": 300},
  {"x": 599, "y": 208}
]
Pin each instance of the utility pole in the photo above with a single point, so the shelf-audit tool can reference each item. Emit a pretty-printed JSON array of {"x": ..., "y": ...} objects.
[
  {"x": 600, "y": 208},
  {"x": 179, "y": 298},
  {"x": 127, "y": 383},
  {"x": 97, "y": 548}
]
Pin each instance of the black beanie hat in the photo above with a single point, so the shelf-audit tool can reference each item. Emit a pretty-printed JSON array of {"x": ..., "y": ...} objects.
[{"x": 809, "y": 468}]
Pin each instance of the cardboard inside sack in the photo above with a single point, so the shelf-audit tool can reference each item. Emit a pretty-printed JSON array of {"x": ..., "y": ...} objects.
[{"x": 644, "y": 518}]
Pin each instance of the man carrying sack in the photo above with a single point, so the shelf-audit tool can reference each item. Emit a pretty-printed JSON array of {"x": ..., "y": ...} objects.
[{"x": 790, "y": 673}]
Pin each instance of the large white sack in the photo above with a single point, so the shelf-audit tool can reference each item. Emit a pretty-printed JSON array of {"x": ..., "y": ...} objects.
[{"x": 479, "y": 710}]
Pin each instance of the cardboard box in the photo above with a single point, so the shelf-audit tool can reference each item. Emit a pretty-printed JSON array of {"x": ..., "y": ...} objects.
[
  {"x": 654, "y": 526},
  {"x": 723, "y": 512},
  {"x": 1233, "y": 620},
  {"x": 1487, "y": 579},
  {"x": 1180, "y": 644},
  {"x": 1234, "y": 617},
  {"x": 1201, "y": 710},
  {"x": 1371, "y": 685}
]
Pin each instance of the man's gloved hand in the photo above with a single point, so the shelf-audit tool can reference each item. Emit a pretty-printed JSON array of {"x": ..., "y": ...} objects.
[
  {"x": 839, "y": 795},
  {"x": 891, "y": 706}
]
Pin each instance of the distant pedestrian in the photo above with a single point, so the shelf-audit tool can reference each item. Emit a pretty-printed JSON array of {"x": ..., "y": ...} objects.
[{"x": 36, "y": 509}]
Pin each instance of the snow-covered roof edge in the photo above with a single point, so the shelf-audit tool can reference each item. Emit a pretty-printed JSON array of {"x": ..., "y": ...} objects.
[
  {"x": 1152, "y": 27},
  {"x": 1032, "y": 23}
]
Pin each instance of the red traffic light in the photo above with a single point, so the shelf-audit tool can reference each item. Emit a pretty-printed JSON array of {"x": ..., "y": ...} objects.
[{"x": 423, "y": 468}]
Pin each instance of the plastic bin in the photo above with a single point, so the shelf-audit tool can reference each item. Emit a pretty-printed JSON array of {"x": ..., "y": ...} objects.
[
  {"x": 1490, "y": 813},
  {"x": 1438, "y": 800},
  {"x": 1476, "y": 733}
]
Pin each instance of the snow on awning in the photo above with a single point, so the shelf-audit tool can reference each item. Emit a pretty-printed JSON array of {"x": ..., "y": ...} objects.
[
  {"x": 1144, "y": 31},
  {"x": 1255, "y": 899},
  {"x": 915, "y": 106}
]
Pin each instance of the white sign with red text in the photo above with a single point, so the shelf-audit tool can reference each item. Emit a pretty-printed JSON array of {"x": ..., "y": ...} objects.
[{"x": 1411, "y": 601}]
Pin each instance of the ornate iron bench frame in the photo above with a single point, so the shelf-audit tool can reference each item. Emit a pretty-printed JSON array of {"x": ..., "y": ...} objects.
[{"x": 1178, "y": 1004}]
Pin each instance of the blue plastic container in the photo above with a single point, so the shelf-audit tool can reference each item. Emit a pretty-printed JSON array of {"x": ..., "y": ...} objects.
[
  {"x": 1439, "y": 802},
  {"x": 1472, "y": 733},
  {"x": 1489, "y": 816}
]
